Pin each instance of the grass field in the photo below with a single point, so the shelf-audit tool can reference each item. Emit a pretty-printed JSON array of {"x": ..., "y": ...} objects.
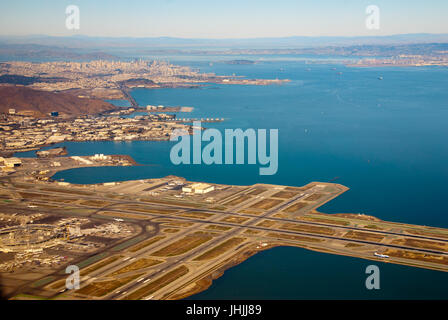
[
  {"x": 417, "y": 256},
  {"x": 136, "y": 265},
  {"x": 251, "y": 232},
  {"x": 123, "y": 215},
  {"x": 238, "y": 200},
  {"x": 295, "y": 207},
  {"x": 422, "y": 244},
  {"x": 42, "y": 282},
  {"x": 218, "y": 227},
  {"x": 359, "y": 235},
  {"x": 178, "y": 224},
  {"x": 266, "y": 204},
  {"x": 255, "y": 212},
  {"x": 196, "y": 214},
  {"x": 158, "y": 283},
  {"x": 174, "y": 202},
  {"x": 257, "y": 191},
  {"x": 220, "y": 249},
  {"x": 101, "y": 288},
  {"x": 293, "y": 237},
  {"x": 183, "y": 245},
  {"x": 146, "y": 243},
  {"x": 95, "y": 203},
  {"x": 314, "y": 197},
  {"x": 61, "y": 283},
  {"x": 170, "y": 230},
  {"x": 76, "y": 192},
  {"x": 284, "y": 194},
  {"x": 266, "y": 223},
  {"x": 128, "y": 243},
  {"x": 234, "y": 219},
  {"x": 99, "y": 265},
  {"x": 307, "y": 228},
  {"x": 435, "y": 233},
  {"x": 325, "y": 220},
  {"x": 144, "y": 209}
]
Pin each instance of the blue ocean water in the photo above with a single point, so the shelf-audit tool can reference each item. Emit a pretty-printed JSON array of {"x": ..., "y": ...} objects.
[
  {"x": 384, "y": 139},
  {"x": 295, "y": 273}
]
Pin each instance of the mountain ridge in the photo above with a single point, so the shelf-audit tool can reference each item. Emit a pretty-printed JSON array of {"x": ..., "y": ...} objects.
[{"x": 41, "y": 103}]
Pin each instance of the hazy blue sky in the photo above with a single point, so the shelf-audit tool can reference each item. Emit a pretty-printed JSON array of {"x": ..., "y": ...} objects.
[{"x": 222, "y": 19}]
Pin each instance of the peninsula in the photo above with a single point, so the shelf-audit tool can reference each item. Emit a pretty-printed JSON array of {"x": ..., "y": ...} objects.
[
  {"x": 104, "y": 79},
  {"x": 168, "y": 238}
]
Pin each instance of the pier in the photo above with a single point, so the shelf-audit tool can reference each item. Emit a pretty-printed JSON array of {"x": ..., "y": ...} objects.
[{"x": 200, "y": 119}]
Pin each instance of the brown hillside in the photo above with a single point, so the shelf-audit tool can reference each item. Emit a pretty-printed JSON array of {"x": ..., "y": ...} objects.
[{"x": 43, "y": 102}]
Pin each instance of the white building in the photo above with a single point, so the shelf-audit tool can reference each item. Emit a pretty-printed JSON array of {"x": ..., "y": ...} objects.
[
  {"x": 100, "y": 156},
  {"x": 200, "y": 188}
]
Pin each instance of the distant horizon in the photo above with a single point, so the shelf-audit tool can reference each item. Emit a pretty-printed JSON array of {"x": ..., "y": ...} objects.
[
  {"x": 230, "y": 38},
  {"x": 232, "y": 19}
]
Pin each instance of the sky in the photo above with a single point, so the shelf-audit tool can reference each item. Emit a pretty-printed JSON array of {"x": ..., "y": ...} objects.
[{"x": 222, "y": 18}]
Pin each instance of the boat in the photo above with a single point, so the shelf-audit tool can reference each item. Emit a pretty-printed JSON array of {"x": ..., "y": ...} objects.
[{"x": 380, "y": 78}]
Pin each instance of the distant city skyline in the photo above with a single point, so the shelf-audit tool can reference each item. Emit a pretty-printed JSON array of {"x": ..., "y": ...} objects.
[{"x": 223, "y": 19}]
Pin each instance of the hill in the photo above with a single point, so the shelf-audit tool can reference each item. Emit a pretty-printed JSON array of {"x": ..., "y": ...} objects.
[{"x": 41, "y": 103}]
